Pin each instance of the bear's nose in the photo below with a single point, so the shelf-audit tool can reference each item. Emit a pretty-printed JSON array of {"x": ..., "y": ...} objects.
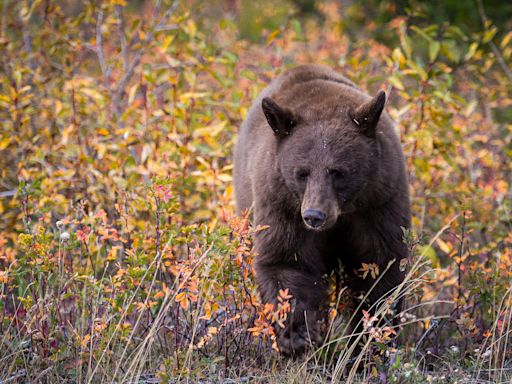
[{"x": 314, "y": 218}]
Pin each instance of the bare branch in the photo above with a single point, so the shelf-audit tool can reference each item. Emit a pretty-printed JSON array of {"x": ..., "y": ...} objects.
[
  {"x": 9, "y": 193},
  {"x": 169, "y": 27},
  {"x": 120, "y": 88},
  {"x": 156, "y": 10},
  {"x": 122, "y": 36},
  {"x": 123, "y": 82},
  {"x": 27, "y": 38},
  {"x": 4, "y": 18},
  {"x": 99, "y": 49}
]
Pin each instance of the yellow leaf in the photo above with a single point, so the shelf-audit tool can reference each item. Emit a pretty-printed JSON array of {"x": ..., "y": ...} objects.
[
  {"x": 172, "y": 63},
  {"x": 112, "y": 255},
  {"x": 4, "y": 277},
  {"x": 506, "y": 40},
  {"x": 374, "y": 270},
  {"x": 191, "y": 28},
  {"x": 26, "y": 88},
  {"x": 132, "y": 92},
  {"x": 211, "y": 130},
  {"x": 398, "y": 56},
  {"x": 471, "y": 51},
  {"x": 93, "y": 94},
  {"x": 272, "y": 36},
  {"x": 24, "y": 174},
  {"x": 192, "y": 95},
  {"x": 4, "y": 143},
  {"x": 167, "y": 41},
  {"x": 180, "y": 296},
  {"x": 445, "y": 247},
  {"x": 225, "y": 177},
  {"x": 103, "y": 132}
]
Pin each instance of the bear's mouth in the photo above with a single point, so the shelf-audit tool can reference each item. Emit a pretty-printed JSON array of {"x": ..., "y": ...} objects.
[{"x": 314, "y": 229}]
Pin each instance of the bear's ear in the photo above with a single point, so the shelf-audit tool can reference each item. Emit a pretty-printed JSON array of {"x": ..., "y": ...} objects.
[
  {"x": 367, "y": 115},
  {"x": 281, "y": 120}
]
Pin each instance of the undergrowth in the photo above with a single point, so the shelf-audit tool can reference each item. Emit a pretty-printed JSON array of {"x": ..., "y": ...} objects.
[{"x": 121, "y": 259}]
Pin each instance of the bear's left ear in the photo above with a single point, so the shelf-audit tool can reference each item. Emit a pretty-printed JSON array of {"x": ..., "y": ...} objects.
[
  {"x": 280, "y": 119},
  {"x": 367, "y": 115}
]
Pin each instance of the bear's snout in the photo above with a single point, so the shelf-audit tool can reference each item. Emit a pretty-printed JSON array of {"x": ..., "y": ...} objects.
[{"x": 314, "y": 218}]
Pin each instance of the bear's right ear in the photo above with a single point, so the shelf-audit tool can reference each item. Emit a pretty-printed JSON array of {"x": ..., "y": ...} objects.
[
  {"x": 281, "y": 120},
  {"x": 367, "y": 115}
]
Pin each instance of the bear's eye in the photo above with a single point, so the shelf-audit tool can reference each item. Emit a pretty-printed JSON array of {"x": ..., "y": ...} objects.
[
  {"x": 337, "y": 174},
  {"x": 302, "y": 174}
]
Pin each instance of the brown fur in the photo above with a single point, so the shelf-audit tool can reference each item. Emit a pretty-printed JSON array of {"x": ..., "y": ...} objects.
[{"x": 314, "y": 142}]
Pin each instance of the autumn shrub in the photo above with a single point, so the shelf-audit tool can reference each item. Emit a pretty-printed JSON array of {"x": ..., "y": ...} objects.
[{"x": 121, "y": 258}]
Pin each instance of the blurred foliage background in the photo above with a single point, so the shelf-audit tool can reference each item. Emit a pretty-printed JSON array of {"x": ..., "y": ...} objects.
[{"x": 120, "y": 257}]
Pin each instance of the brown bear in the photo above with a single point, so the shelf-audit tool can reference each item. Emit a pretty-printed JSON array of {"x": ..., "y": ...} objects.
[{"x": 321, "y": 165}]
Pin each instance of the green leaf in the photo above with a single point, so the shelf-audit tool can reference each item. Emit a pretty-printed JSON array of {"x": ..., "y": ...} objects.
[
  {"x": 430, "y": 254},
  {"x": 396, "y": 82},
  {"x": 231, "y": 56},
  {"x": 421, "y": 32},
  {"x": 297, "y": 27},
  {"x": 406, "y": 45},
  {"x": 433, "y": 50}
]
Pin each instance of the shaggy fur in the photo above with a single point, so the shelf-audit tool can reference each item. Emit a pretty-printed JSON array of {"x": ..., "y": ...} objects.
[{"x": 322, "y": 166}]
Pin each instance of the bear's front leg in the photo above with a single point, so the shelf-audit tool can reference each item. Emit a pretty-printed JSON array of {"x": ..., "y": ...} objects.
[{"x": 309, "y": 292}]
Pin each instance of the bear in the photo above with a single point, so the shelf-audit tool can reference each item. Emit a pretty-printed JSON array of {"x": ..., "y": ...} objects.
[{"x": 320, "y": 166}]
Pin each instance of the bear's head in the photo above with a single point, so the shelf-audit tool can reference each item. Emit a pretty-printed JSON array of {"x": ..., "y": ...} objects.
[{"x": 327, "y": 160}]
